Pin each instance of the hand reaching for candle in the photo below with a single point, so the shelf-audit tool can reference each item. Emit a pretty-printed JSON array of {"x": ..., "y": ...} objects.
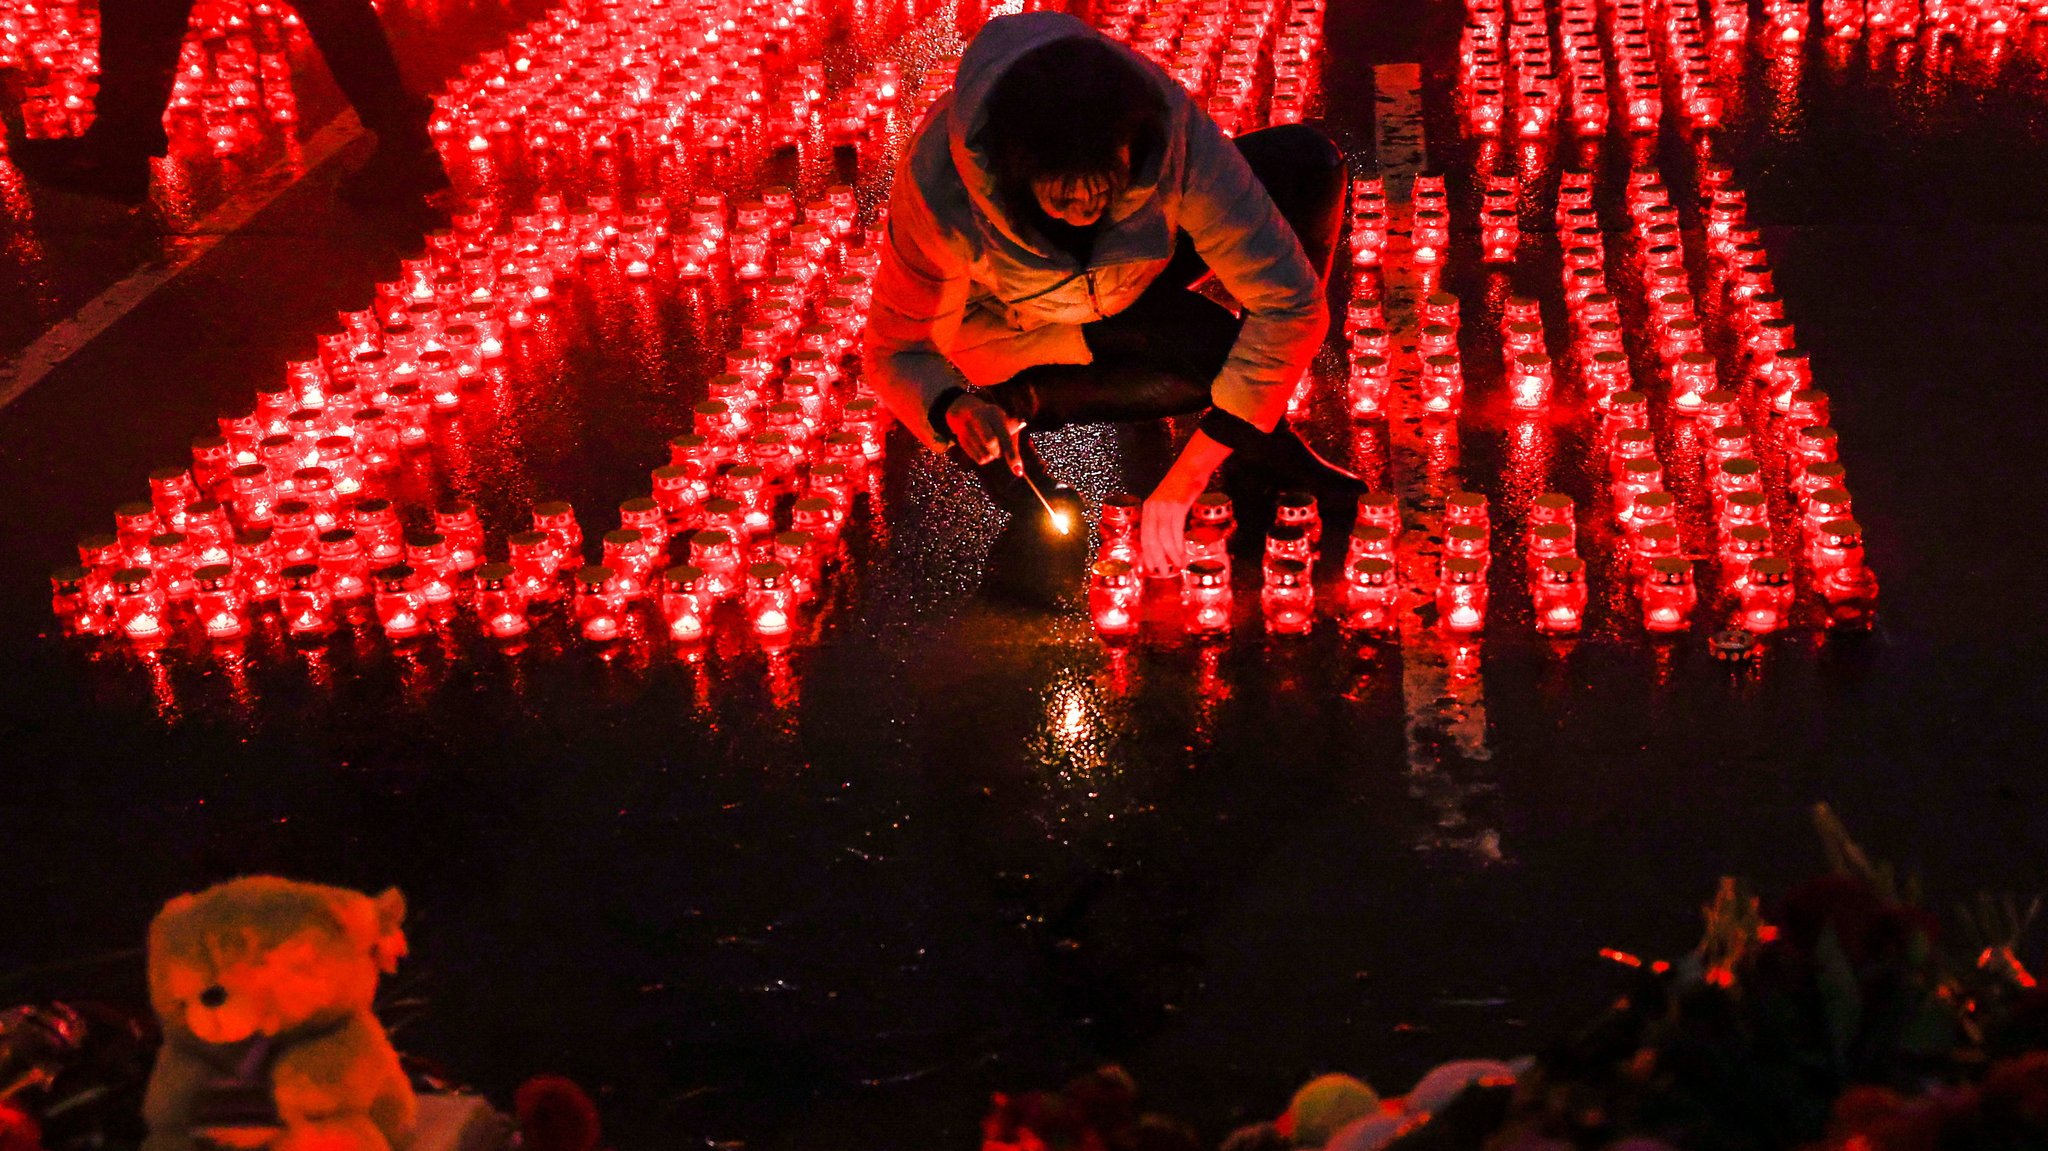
[
  {"x": 1163, "y": 523},
  {"x": 985, "y": 431}
]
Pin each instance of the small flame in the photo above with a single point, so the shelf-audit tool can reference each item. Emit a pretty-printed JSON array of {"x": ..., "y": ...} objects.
[{"x": 1061, "y": 523}]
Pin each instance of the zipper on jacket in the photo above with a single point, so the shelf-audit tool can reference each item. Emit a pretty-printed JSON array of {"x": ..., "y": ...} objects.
[{"x": 1093, "y": 303}]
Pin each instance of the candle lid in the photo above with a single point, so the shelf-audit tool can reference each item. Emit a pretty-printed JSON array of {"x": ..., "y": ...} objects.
[{"x": 1671, "y": 569}]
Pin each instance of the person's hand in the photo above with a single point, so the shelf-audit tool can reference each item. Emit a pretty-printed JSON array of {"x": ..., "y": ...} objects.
[
  {"x": 985, "y": 432},
  {"x": 1163, "y": 522},
  {"x": 1163, "y": 531}
]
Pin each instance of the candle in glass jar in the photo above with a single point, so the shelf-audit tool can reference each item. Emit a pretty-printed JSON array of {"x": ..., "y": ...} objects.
[
  {"x": 565, "y": 535},
  {"x": 1288, "y": 598},
  {"x": 685, "y": 608},
  {"x": 1766, "y": 595},
  {"x": 1114, "y": 593},
  {"x": 141, "y": 610},
  {"x": 1371, "y": 378},
  {"x": 715, "y": 551},
  {"x": 457, "y": 520},
  {"x": 401, "y": 609},
  {"x": 1529, "y": 381},
  {"x": 500, "y": 606},
  {"x": 219, "y": 604},
  {"x": 1461, "y": 595},
  {"x": 1371, "y": 596},
  {"x": 596, "y": 607},
  {"x": 1668, "y": 595},
  {"x": 304, "y": 602},
  {"x": 1559, "y": 594},
  {"x": 346, "y": 567},
  {"x": 1205, "y": 598},
  {"x": 78, "y": 610},
  {"x": 770, "y": 601}
]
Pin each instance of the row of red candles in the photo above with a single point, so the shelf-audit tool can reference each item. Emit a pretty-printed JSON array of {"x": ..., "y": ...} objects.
[
  {"x": 779, "y": 430},
  {"x": 1229, "y": 57}
]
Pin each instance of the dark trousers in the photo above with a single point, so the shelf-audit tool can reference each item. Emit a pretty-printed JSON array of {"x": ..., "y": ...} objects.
[
  {"x": 139, "y": 42},
  {"x": 1159, "y": 357}
]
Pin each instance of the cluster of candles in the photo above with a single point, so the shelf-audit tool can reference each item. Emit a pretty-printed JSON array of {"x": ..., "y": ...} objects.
[
  {"x": 1221, "y": 51},
  {"x": 1881, "y": 22},
  {"x": 687, "y": 77},
  {"x": 234, "y": 81},
  {"x": 1744, "y": 432},
  {"x": 282, "y": 507},
  {"x": 283, "y": 514},
  {"x": 1514, "y": 82},
  {"x": 1200, "y": 602}
]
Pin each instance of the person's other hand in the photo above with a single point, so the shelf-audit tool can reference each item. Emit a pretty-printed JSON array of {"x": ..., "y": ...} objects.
[
  {"x": 1163, "y": 527},
  {"x": 985, "y": 432}
]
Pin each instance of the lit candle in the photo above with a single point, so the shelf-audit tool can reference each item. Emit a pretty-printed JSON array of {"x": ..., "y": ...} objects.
[
  {"x": 1371, "y": 596},
  {"x": 596, "y": 607},
  {"x": 1382, "y": 509},
  {"x": 457, "y": 520},
  {"x": 1371, "y": 378},
  {"x": 1559, "y": 595},
  {"x": 401, "y": 609},
  {"x": 1668, "y": 595},
  {"x": 78, "y": 610},
  {"x": 1461, "y": 595},
  {"x": 1766, "y": 595},
  {"x": 1205, "y": 598},
  {"x": 346, "y": 567},
  {"x": 1114, "y": 592},
  {"x": 685, "y": 608},
  {"x": 304, "y": 602},
  {"x": 770, "y": 602},
  {"x": 141, "y": 610},
  {"x": 433, "y": 561},
  {"x": 1288, "y": 598},
  {"x": 565, "y": 535},
  {"x": 500, "y": 607}
]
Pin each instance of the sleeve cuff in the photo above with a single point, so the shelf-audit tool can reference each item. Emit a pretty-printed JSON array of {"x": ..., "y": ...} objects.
[
  {"x": 1233, "y": 432},
  {"x": 936, "y": 413}
]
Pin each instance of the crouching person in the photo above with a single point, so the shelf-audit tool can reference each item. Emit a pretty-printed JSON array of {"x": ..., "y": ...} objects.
[{"x": 1045, "y": 231}]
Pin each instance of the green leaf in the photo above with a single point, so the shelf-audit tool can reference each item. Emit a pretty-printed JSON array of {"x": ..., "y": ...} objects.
[
  {"x": 1841, "y": 999},
  {"x": 1930, "y": 1031}
]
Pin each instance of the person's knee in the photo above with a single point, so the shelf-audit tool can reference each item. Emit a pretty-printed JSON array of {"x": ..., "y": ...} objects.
[{"x": 1304, "y": 147}]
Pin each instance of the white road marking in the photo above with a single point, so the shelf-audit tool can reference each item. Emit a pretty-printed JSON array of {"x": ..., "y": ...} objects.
[
  {"x": 71, "y": 334},
  {"x": 1445, "y": 706}
]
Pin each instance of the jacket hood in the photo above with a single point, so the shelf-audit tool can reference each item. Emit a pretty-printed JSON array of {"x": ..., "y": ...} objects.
[{"x": 1001, "y": 43}]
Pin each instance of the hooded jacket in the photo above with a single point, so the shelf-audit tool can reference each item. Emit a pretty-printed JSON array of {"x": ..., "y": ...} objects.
[{"x": 965, "y": 294}]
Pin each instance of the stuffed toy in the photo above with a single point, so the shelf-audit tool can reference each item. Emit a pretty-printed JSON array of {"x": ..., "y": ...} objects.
[{"x": 263, "y": 987}]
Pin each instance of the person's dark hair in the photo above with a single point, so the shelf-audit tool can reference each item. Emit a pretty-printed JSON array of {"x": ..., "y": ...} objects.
[{"x": 1065, "y": 109}]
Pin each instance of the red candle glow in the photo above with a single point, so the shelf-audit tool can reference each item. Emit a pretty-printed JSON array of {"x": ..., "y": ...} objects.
[
  {"x": 1205, "y": 598},
  {"x": 1668, "y": 595},
  {"x": 1114, "y": 592},
  {"x": 1559, "y": 594},
  {"x": 596, "y": 607},
  {"x": 500, "y": 608},
  {"x": 305, "y": 603},
  {"x": 1461, "y": 595},
  {"x": 1766, "y": 595}
]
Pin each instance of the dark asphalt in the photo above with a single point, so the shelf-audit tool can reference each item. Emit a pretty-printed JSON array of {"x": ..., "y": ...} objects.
[{"x": 953, "y": 847}]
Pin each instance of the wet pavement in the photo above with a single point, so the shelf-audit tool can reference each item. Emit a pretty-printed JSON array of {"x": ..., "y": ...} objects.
[{"x": 942, "y": 846}]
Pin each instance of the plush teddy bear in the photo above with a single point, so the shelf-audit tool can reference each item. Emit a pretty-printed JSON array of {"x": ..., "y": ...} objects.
[{"x": 264, "y": 988}]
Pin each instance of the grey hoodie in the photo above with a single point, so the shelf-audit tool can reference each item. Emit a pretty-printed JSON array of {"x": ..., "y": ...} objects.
[{"x": 965, "y": 296}]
